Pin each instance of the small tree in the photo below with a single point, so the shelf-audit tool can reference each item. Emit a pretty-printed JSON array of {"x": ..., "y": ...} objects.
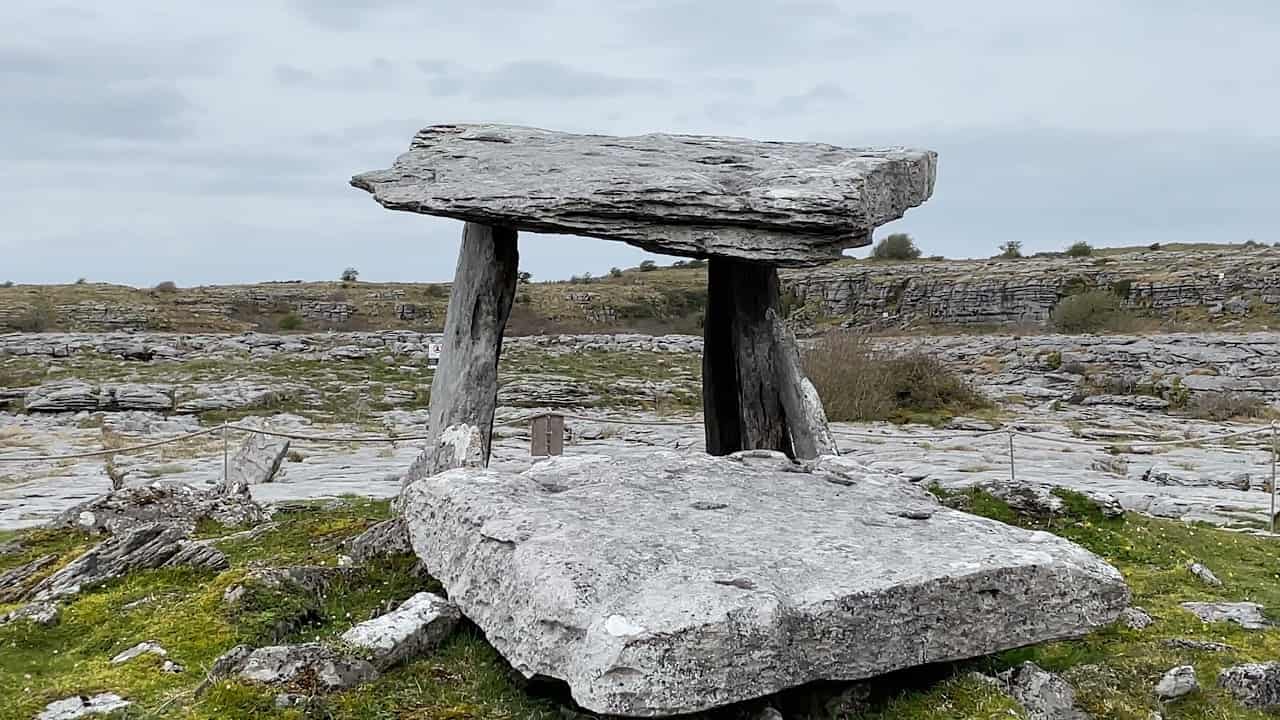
[
  {"x": 350, "y": 275},
  {"x": 615, "y": 272},
  {"x": 1080, "y": 249},
  {"x": 81, "y": 281},
  {"x": 1011, "y": 250},
  {"x": 898, "y": 246},
  {"x": 168, "y": 286},
  {"x": 696, "y": 263},
  {"x": 648, "y": 265},
  {"x": 6, "y": 284},
  {"x": 524, "y": 278}
]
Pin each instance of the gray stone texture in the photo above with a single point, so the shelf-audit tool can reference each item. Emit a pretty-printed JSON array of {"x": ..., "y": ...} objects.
[
  {"x": 670, "y": 583},
  {"x": 417, "y": 626},
  {"x": 782, "y": 203}
]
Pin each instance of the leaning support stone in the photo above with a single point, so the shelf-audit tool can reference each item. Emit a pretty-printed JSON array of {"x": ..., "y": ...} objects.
[
  {"x": 810, "y": 434},
  {"x": 465, "y": 389},
  {"x": 741, "y": 397}
]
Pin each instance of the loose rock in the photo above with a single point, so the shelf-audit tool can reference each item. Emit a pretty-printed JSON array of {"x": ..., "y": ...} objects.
[
  {"x": 387, "y": 538},
  {"x": 1135, "y": 618},
  {"x": 1254, "y": 685},
  {"x": 1204, "y": 574},
  {"x": 142, "y": 548},
  {"x": 40, "y": 613},
  {"x": 1178, "y": 682},
  {"x": 81, "y": 705},
  {"x": 173, "y": 504},
  {"x": 417, "y": 626},
  {"x": 1245, "y": 614},
  {"x": 141, "y": 648},
  {"x": 1044, "y": 695},
  {"x": 13, "y": 583},
  {"x": 282, "y": 663},
  {"x": 256, "y": 462}
]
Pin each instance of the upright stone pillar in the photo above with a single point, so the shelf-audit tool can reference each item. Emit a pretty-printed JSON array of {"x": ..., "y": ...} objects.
[
  {"x": 464, "y": 391},
  {"x": 741, "y": 397}
]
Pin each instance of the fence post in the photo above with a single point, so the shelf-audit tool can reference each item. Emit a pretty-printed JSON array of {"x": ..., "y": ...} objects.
[
  {"x": 1275, "y": 450},
  {"x": 224, "y": 453},
  {"x": 1013, "y": 477}
]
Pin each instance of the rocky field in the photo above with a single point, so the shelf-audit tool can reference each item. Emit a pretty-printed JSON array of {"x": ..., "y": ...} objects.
[{"x": 1092, "y": 417}]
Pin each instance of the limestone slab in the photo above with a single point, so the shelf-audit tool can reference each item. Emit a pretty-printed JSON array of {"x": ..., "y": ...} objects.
[
  {"x": 670, "y": 583},
  {"x": 787, "y": 203}
]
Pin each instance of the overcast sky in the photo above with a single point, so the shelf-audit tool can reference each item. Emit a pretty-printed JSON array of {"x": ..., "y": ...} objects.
[{"x": 149, "y": 140}]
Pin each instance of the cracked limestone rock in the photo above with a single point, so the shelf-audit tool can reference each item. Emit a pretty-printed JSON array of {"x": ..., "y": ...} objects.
[{"x": 672, "y": 583}]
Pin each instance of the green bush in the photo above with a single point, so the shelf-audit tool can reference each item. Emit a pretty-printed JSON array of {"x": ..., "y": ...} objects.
[
  {"x": 615, "y": 272},
  {"x": 648, "y": 265},
  {"x": 290, "y": 321},
  {"x": 34, "y": 319},
  {"x": 857, "y": 383},
  {"x": 524, "y": 278},
  {"x": 1227, "y": 405},
  {"x": 350, "y": 275},
  {"x": 1080, "y": 249},
  {"x": 168, "y": 286},
  {"x": 1088, "y": 311},
  {"x": 6, "y": 284},
  {"x": 898, "y": 246},
  {"x": 1011, "y": 250}
]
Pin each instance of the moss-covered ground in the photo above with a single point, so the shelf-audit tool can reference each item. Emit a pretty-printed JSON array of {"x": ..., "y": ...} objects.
[{"x": 1113, "y": 669}]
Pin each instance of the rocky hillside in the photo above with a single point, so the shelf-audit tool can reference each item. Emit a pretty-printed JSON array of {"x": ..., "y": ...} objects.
[{"x": 1231, "y": 287}]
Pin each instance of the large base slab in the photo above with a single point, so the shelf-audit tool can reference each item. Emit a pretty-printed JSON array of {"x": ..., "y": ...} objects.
[{"x": 676, "y": 582}]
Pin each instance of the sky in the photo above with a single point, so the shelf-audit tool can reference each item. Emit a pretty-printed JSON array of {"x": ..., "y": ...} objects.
[{"x": 198, "y": 142}]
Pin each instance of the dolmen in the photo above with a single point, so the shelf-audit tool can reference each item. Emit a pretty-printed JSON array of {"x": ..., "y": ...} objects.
[{"x": 673, "y": 583}]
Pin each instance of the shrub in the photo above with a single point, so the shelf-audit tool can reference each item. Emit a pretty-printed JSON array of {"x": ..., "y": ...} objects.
[
  {"x": 937, "y": 258},
  {"x": 615, "y": 272},
  {"x": 857, "y": 383},
  {"x": 168, "y": 286},
  {"x": 898, "y": 246},
  {"x": 1011, "y": 250},
  {"x": 350, "y": 275},
  {"x": 438, "y": 291},
  {"x": 33, "y": 319},
  {"x": 1226, "y": 405},
  {"x": 1251, "y": 243},
  {"x": 81, "y": 281},
  {"x": 648, "y": 265},
  {"x": 696, "y": 263},
  {"x": 524, "y": 278},
  {"x": 1153, "y": 246},
  {"x": 291, "y": 321},
  {"x": 6, "y": 284},
  {"x": 1080, "y": 249},
  {"x": 1086, "y": 312}
]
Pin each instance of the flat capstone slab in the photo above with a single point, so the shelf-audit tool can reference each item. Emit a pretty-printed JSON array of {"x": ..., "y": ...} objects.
[
  {"x": 673, "y": 583},
  {"x": 785, "y": 203}
]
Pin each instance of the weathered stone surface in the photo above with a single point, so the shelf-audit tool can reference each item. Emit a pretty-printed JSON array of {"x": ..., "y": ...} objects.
[
  {"x": 140, "y": 548},
  {"x": 256, "y": 462},
  {"x": 1198, "y": 645},
  {"x": 1253, "y": 685},
  {"x": 173, "y": 504},
  {"x": 1247, "y": 615},
  {"x": 14, "y": 582},
  {"x": 1135, "y": 618},
  {"x": 784, "y": 203},
  {"x": 417, "y": 626},
  {"x": 387, "y": 538},
  {"x": 1204, "y": 574},
  {"x": 40, "y": 613},
  {"x": 464, "y": 390},
  {"x": 1178, "y": 682},
  {"x": 281, "y": 663},
  {"x": 669, "y": 583},
  {"x": 67, "y": 396},
  {"x": 81, "y": 705},
  {"x": 807, "y": 419},
  {"x": 142, "y": 648},
  {"x": 1044, "y": 695}
]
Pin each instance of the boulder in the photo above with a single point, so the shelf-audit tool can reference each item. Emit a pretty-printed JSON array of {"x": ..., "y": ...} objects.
[
  {"x": 256, "y": 462},
  {"x": 783, "y": 203},
  {"x": 141, "y": 548},
  {"x": 671, "y": 583},
  {"x": 1247, "y": 615},
  {"x": 1044, "y": 695},
  {"x": 331, "y": 670},
  {"x": 1135, "y": 618},
  {"x": 173, "y": 504},
  {"x": 142, "y": 648},
  {"x": 1253, "y": 685},
  {"x": 387, "y": 538},
  {"x": 79, "y": 706},
  {"x": 1204, "y": 574},
  {"x": 1176, "y": 683},
  {"x": 137, "y": 397},
  {"x": 40, "y": 613},
  {"x": 418, "y": 625}
]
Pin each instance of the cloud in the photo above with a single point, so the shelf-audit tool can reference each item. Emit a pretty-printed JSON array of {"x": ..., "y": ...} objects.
[
  {"x": 526, "y": 79},
  {"x": 377, "y": 73}
]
